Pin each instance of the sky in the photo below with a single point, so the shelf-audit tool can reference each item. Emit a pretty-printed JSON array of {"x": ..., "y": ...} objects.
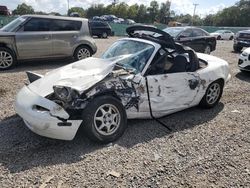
[{"x": 179, "y": 6}]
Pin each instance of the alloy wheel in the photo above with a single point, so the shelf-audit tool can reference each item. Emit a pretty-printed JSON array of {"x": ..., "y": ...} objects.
[
  {"x": 107, "y": 119},
  {"x": 83, "y": 53},
  {"x": 6, "y": 59},
  {"x": 213, "y": 93}
]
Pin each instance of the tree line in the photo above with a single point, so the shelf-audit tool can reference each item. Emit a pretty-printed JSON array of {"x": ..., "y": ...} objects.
[{"x": 236, "y": 15}]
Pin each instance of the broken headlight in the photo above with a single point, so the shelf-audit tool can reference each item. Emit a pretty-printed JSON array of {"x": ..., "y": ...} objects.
[{"x": 64, "y": 94}]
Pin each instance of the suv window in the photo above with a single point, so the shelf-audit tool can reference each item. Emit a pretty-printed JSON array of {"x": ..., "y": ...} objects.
[
  {"x": 66, "y": 25},
  {"x": 37, "y": 24},
  {"x": 198, "y": 33}
]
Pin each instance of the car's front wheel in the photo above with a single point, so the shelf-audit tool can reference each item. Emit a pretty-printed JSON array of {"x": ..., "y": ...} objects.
[
  {"x": 104, "y": 119},
  {"x": 212, "y": 95},
  {"x": 219, "y": 37},
  {"x": 82, "y": 52},
  {"x": 7, "y": 59},
  {"x": 231, "y": 38},
  {"x": 207, "y": 50}
]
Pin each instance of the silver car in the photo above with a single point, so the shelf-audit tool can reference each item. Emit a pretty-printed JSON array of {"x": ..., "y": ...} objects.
[{"x": 43, "y": 37}]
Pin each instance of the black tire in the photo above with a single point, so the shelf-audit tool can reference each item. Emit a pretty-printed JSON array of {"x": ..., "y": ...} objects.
[
  {"x": 8, "y": 55},
  {"x": 237, "y": 48},
  {"x": 231, "y": 38},
  {"x": 84, "y": 49},
  {"x": 207, "y": 49},
  {"x": 104, "y": 35},
  {"x": 219, "y": 37},
  {"x": 94, "y": 119},
  {"x": 205, "y": 102}
]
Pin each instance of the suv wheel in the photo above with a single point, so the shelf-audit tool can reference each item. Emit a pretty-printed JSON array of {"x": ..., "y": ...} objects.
[
  {"x": 82, "y": 52},
  {"x": 7, "y": 59},
  {"x": 237, "y": 48},
  {"x": 104, "y": 35},
  {"x": 104, "y": 119}
]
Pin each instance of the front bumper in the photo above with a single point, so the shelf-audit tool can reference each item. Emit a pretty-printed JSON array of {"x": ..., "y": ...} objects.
[
  {"x": 44, "y": 122},
  {"x": 242, "y": 43},
  {"x": 244, "y": 62}
]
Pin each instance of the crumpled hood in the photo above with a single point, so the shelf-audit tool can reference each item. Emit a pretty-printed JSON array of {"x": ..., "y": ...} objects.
[{"x": 80, "y": 75}]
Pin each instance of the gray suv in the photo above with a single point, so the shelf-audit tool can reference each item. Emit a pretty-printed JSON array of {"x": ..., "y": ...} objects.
[{"x": 43, "y": 37}]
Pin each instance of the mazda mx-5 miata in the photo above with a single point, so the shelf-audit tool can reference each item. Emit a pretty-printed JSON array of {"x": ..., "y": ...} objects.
[{"x": 142, "y": 76}]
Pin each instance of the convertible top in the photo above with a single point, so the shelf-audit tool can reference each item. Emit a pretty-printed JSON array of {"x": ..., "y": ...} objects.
[
  {"x": 162, "y": 38},
  {"x": 158, "y": 36}
]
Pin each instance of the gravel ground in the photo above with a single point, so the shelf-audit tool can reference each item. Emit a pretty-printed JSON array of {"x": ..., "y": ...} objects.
[{"x": 208, "y": 148}]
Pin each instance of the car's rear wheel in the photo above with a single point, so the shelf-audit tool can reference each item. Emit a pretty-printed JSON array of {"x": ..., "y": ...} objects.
[
  {"x": 7, "y": 59},
  {"x": 104, "y": 119},
  {"x": 207, "y": 50},
  {"x": 104, "y": 35},
  {"x": 212, "y": 95},
  {"x": 237, "y": 49},
  {"x": 219, "y": 38},
  {"x": 82, "y": 52},
  {"x": 231, "y": 38}
]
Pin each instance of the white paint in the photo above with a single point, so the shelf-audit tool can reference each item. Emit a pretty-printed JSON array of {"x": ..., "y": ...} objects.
[
  {"x": 174, "y": 89},
  {"x": 244, "y": 56}
]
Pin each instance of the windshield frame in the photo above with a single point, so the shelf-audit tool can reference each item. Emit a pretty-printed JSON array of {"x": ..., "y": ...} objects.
[
  {"x": 15, "y": 24},
  {"x": 155, "y": 47}
]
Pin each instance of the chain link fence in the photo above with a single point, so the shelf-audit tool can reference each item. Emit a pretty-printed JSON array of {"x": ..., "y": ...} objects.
[{"x": 120, "y": 29}]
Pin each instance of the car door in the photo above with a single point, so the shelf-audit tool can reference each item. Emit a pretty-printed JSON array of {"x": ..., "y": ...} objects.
[
  {"x": 185, "y": 38},
  {"x": 65, "y": 35},
  {"x": 172, "y": 92},
  {"x": 170, "y": 87},
  {"x": 199, "y": 40},
  {"x": 34, "y": 39}
]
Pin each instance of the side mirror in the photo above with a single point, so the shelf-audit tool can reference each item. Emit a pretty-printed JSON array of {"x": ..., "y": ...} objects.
[{"x": 181, "y": 37}]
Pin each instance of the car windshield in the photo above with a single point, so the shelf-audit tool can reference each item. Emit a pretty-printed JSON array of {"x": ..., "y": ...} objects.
[
  {"x": 173, "y": 31},
  {"x": 134, "y": 54},
  {"x": 14, "y": 24}
]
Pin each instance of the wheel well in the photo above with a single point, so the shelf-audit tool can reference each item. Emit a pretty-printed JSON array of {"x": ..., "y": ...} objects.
[
  {"x": 3, "y": 45},
  {"x": 108, "y": 92},
  {"x": 221, "y": 81},
  {"x": 84, "y": 45}
]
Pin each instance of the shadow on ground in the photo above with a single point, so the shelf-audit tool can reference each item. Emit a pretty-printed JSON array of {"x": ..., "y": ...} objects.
[
  {"x": 244, "y": 76},
  {"x": 36, "y": 65},
  {"x": 20, "y": 149}
]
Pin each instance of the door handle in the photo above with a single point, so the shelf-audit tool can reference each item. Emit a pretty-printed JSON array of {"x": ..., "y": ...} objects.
[
  {"x": 74, "y": 36},
  {"x": 46, "y": 37}
]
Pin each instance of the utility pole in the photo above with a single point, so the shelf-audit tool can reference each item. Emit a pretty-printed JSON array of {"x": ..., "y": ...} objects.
[
  {"x": 195, "y": 5},
  {"x": 68, "y": 8}
]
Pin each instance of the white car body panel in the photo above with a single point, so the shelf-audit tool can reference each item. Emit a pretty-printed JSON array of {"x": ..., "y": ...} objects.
[
  {"x": 169, "y": 93},
  {"x": 224, "y": 36},
  {"x": 245, "y": 60}
]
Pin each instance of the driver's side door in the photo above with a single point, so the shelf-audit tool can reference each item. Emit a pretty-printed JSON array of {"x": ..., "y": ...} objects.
[{"x": 172, "y": 92}]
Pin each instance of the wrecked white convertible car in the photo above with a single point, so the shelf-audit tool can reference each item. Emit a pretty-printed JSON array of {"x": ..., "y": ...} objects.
[{"x": 143, "y": 76}]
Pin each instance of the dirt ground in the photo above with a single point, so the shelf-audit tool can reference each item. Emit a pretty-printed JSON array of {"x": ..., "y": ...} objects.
[{"x": 207, "y": 148}]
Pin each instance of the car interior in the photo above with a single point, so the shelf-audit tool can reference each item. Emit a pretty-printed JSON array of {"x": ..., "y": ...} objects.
[{"x": 171, "y": 62}]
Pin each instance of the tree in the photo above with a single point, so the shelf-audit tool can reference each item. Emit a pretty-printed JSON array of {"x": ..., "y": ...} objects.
[
  {"x": 79, "y": 10},
  {"x": 164, "y": 13},
  {"x": 142, "y": 15},
  {"x": 23, "y": 9},
  {"x": 153, "y": 10},
  {"x": 133, "y": 11}
]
